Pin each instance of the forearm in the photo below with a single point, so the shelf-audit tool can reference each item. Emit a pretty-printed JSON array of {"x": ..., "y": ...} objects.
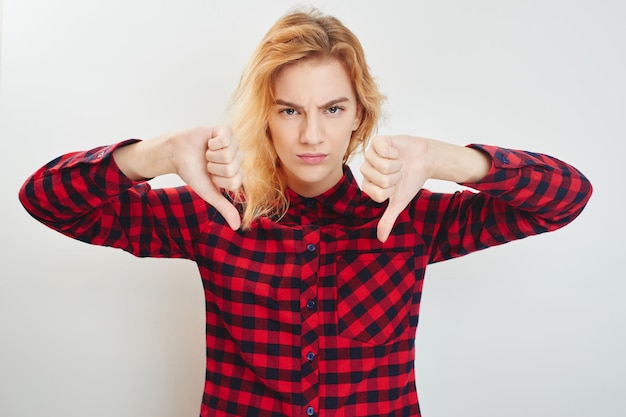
[
  {"x": 72, "y": 185},
  {"x": 456, "y": 163},
  {"x": 84, "y": 195},
  {"x": 523, "y": 194},
  {"x": 145, "y": 159},
  {"x": 552, "y": 190}
]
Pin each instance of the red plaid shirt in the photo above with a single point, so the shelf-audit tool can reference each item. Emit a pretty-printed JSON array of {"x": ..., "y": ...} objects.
[{"x": 311, "y": 314}]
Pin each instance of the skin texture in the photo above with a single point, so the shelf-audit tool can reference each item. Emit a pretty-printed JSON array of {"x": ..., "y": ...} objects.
[{"x": 311, "y": 123}]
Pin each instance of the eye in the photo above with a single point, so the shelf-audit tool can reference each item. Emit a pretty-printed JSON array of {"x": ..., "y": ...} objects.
[
  {"x": 334, "y": 109},
  {"x": 288, "y": 112}
]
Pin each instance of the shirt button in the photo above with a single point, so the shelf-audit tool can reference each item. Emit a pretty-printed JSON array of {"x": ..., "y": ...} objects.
[
  {"x": 310, "y": 411},
  {"x": 310, "y": 247},
  {"x": 311, "y": 304},
  {"x": 310, "y": 356},
  {"x": 310, "y": 203}
]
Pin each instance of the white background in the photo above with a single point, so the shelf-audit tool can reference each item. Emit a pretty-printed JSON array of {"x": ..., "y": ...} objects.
[{"x": 532, "y": 328}]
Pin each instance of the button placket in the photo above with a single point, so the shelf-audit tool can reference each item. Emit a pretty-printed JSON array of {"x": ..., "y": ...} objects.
[{"x": 310, "y": 320}]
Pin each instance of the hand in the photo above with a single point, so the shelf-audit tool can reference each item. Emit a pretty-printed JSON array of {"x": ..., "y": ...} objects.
[
  {"x": 208, "y": 159},
  {"x": 395, "y": 168}
]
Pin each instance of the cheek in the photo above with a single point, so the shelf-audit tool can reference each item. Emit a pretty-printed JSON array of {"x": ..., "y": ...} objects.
[
  {"x": 277, "y": 137},
  {"x": 343, "y": 131},
  {"x": 270, "y": 127},
  {"x": 273, "y": 132},
  {"x": 276, "y": 127}
]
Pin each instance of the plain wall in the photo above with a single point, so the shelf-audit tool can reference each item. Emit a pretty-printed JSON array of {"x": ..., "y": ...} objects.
[{"x": 535, "y": 327}]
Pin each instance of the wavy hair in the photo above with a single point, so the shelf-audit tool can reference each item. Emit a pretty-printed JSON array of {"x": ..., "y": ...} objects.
[{"x": 297, "y": 36}]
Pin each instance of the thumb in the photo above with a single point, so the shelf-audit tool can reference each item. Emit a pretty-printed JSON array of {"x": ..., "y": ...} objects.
[
  {"x": 209, "y": 193},
  {"x": 228, "y": 210},
  {"x": 389, "y": 217}
]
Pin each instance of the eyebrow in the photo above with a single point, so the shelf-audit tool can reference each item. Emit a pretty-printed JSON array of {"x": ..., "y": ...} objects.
[{"x": 323, "y": 106}]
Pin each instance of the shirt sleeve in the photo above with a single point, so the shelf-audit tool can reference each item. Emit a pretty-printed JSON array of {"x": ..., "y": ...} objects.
[
  {"x": 523, "y": 194},
  {"x": 85, "y": 195}
]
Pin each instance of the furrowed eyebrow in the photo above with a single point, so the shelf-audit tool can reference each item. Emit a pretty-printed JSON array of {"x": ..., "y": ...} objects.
[{"x": 323, "y": 106}]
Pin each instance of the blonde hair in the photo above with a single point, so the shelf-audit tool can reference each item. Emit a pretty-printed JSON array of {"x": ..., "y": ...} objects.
[{"x": 298, "y": 35}]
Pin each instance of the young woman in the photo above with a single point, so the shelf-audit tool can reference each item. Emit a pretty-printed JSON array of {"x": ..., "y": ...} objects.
[{"x": 312, "y": 285}]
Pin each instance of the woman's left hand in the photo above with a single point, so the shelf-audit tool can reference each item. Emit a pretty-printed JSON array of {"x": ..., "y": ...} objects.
[{"x": 395, "y": 168}]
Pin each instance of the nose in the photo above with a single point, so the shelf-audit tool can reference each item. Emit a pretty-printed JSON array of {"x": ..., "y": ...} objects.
[{"x": 313, "y": 131}]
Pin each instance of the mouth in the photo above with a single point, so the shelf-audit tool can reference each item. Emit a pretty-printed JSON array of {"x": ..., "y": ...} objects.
[{"x": 312, "y": 158}]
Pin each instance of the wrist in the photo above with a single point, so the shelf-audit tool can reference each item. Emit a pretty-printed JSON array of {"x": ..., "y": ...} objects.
[
  {"x": 146, "y": 158},
  {"x": 428, "y": 149},
  {"x": 456, "y": 163}
]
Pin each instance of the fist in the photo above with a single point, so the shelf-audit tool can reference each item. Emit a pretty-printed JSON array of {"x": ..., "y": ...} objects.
[{"x": 395, "y": 169}]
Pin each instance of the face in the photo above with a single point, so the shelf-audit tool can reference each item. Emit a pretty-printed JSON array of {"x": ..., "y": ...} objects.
[{"x": 311, "y": 123}]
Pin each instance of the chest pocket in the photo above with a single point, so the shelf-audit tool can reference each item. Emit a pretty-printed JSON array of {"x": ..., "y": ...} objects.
[{"x": 374, "y": 295}]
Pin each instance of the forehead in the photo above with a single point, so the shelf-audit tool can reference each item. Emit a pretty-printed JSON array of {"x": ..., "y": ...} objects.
[{"x": 321, "y": 78}]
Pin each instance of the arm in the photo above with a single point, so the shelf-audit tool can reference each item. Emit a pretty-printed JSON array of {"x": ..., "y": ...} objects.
[
  {"x": 536, "y": 192},
  {"x": 206, "y": 159},
  {"x": 99, "y": 196}
]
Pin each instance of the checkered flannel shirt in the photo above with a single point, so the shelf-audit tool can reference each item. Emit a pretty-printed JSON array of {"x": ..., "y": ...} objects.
[{"x": 310, "y": 314}]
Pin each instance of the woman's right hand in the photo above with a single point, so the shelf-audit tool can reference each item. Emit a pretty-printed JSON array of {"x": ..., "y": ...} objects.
[{"x": 207, "y": 159}]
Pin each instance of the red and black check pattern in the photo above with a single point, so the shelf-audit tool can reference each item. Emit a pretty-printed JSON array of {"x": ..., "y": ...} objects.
[{"x": 309, "y": 315}]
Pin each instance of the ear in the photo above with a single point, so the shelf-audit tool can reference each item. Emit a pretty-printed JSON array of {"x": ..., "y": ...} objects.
[{"x": 358, "y": 118}]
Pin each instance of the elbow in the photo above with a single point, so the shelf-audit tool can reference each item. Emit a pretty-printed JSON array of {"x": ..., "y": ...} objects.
[
  {"x": 581, "y": 191},
  {"x": 26, "y": 196},
  {"x": 583, "y": 195},
  {"x": 33, "y": 199}
]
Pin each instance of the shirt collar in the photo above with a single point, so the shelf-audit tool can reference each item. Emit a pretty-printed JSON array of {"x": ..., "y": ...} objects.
[{"x": 342, "y": 199}]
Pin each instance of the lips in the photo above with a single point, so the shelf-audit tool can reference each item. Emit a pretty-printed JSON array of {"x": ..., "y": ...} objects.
[{"x": 312, "y": 158}]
